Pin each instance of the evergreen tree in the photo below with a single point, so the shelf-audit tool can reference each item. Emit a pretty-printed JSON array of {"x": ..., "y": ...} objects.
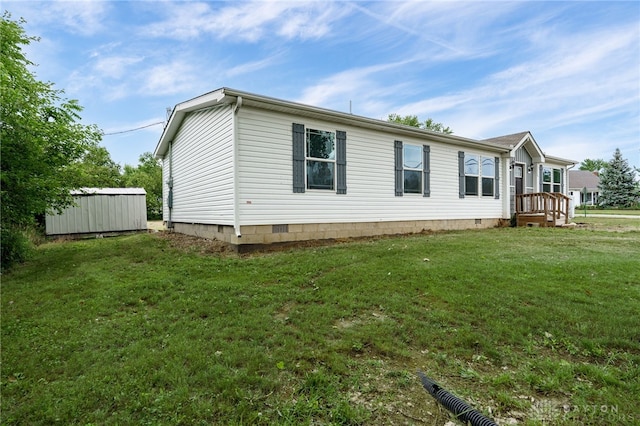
[{"x": 618, "y": 187}]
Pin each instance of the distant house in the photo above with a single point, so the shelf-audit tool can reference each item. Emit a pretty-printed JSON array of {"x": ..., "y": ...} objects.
[
  {"x": 583, "y": 187},
  {"x": 251, "y": 170},
  {"x": 99, "y": 211}
]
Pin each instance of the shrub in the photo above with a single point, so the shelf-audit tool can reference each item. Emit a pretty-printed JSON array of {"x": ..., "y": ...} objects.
[{"x": 15, "y": 247}]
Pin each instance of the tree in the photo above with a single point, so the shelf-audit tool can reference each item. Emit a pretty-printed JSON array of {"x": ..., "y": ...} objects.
[
  {"x": 618, "y": 187},
  {"x": 593, "y": 165},
  {"x": 96, "y": 169},
  {"x": 40, "y": 138},
  {"x": 147, "y": 175},
  {"x": 412, "y": 120}
]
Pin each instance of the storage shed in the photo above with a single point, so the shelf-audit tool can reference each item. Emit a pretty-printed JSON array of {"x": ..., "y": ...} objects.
[{"x": 101, "y": 211}]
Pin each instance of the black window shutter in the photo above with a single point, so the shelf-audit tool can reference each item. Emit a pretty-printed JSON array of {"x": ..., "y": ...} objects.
[
  {"x": 497, "y": 181},
  {"x": 461, "y": 173},
  {"x": 341, "y": 162},
  {"x": 426, "y": 170},
  {"x": 399, "y": 169},
  {"x": 298, "y": 158},
  {"x": 562, "y": 180}
]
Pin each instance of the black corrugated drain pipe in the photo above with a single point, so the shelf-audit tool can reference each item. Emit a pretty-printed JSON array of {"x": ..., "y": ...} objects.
[{"x": 458, "y": 407}]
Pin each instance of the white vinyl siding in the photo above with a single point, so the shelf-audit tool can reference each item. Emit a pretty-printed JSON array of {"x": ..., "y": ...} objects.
[
  {"x": 265, "y": 177},
  {"x": 202, "y": 167}
]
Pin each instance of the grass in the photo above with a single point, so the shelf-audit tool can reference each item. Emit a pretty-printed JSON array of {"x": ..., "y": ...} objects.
[
  {"x": 609, "y": 212},
  {"x": 540, "y": 325},
  {"x": 608, "y": 223}
]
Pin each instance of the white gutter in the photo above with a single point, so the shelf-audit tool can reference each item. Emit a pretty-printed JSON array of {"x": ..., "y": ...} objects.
[{"x": 230, "y": 96}]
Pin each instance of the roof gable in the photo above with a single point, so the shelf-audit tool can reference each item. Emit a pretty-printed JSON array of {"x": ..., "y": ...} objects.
[{"x": 519, "y": 140}]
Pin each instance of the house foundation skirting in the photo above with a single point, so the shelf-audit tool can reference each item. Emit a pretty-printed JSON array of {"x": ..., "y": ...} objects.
[{"x": 287, "y": 233}]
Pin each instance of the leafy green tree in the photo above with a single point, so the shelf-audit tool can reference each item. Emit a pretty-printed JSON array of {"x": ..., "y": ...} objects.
[
  {"x": 96, "y": 169},
  {"x": 147, "y": 175},
  {"x": 40, "y": 138},
  {"x": 618, "y": 187},
  {"x": 593, "y": 165},
  {"x": 412, "y": 120}
]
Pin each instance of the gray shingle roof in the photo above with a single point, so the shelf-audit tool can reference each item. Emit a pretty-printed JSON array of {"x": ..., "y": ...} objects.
[
  {"x": 578, "y": 179},
  {"x": 507, "y": 140}
]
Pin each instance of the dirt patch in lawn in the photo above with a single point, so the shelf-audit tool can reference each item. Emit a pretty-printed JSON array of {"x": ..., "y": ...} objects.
[{"x": 195, "y": 244}]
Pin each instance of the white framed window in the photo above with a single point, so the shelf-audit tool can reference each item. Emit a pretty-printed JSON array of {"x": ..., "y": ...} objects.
[
  {"x": 412, "y": 165},
  {"x": 551, "y": 180},
  {"x": 488, "y": 176},
  {"x": 320, "y": 157},
  {"x": 479, "y": 175},
  {"x": 518, "y": 172},
  {"x": 471, "y": 174},
  {"x": 412, "y": 169}
]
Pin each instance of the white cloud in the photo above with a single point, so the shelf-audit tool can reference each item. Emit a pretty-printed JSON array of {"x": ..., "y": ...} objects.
[
  {"x": 253, "y": 66},
  {"x": 167, "y": 79},
  {"x": 115, "y": 67},
  {"x": 442, "y": 30},
  {"x": 79, "y": 17},
  {"x": 246, "y": 21},
  {"x": 358, "y": 84}
]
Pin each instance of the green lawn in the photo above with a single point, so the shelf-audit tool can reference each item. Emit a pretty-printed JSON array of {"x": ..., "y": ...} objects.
[
  {"x": 606, "y": 222},
  {"x": 539, "y": 325},
  {"x": 608, "y": 212}
]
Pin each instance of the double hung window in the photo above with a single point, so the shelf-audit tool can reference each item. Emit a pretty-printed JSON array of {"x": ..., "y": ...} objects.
[
  {"x": 471, "y": 174},
  {"x": 551, "y": 180},
  {"x": 478, "y": 175},
  {"x": 320, "y": 159},
  {"x": 412, "y": 169},
  {"x": 488, "y": 176},
  {"x": 412, "y": 165}
]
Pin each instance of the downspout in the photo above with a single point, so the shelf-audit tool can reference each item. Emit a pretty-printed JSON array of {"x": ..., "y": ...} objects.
[
  {"x": 572, "y": 200},
  {"x": 236, "y": 198},
  {"x": 507, "y": 182},
  {"x": 170, "y": 185}
]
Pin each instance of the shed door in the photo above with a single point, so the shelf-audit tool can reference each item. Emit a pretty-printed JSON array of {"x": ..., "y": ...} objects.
[{"x": 517, "y": 170}]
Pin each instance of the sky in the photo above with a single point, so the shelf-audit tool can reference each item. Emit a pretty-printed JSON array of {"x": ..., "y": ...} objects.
[{"x": 568, "y": 72}]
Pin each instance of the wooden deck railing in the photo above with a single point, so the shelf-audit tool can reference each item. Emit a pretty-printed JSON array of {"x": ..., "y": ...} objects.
[{"x": 543, "y": 208}]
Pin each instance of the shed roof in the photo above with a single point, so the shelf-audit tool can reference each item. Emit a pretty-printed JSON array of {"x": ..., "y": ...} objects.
[
  {"x": 109, "y": 191},
  {"x": 579, "y": 179}
]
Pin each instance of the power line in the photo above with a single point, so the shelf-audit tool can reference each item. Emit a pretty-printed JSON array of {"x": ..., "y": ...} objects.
[{"x": 133, "y": 130}]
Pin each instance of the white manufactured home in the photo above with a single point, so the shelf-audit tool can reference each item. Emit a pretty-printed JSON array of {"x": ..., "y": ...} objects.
[
  {"x": 99, "y": 211},
  {"x": 253, "y": 170}
]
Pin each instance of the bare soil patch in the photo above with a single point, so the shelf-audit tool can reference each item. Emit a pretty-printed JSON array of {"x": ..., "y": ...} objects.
[{"x": 195, "y": 244}]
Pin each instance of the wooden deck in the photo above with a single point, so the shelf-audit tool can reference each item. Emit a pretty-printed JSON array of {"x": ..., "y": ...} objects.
[{"x": 542, "y": 209}]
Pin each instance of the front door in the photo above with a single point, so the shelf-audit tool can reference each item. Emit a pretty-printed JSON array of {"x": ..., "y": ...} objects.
[{"x": 517, "y": 171}]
